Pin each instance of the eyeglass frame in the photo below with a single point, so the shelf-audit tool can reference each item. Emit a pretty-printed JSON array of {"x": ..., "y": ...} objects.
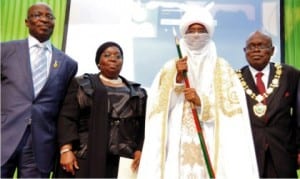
[
  {"x": 252, "y": 47},
  {"x": 39, "y": 16}
]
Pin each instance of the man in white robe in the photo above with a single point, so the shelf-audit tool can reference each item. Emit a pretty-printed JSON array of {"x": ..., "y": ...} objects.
[{"x": 172, "y": 147}]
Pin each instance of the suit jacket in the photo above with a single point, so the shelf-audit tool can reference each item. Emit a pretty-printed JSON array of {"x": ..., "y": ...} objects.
[
  {"x": 19, "y": 106},
  {"x": 278, "y": 130}
]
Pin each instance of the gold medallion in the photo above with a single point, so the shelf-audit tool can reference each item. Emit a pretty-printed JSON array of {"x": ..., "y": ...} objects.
[{"x": 259, "y": 109}]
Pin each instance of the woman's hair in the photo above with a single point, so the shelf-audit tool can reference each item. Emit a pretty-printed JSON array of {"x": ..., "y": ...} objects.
[{"x": 103, "y": 47}]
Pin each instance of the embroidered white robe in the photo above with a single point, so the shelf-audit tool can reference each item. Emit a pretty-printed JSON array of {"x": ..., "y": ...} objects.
[{"x": 172, "y": 147}]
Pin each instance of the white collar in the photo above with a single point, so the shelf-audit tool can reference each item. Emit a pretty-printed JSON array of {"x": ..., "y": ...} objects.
[
  {"x": 266, "y": 70},
  {"x": 32, "y": 42}
]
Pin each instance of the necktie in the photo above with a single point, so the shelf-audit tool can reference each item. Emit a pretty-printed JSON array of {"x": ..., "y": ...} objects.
[
  {"x": 259, "y": 83},
  {"x": 39, "y": 71}
]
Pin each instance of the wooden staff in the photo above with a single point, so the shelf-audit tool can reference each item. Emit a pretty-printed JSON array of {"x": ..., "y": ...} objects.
[{"x": 196, "y": 119}]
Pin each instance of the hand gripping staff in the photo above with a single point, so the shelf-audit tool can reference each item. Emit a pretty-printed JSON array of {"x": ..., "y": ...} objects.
[{"x": 196, "y": 119}]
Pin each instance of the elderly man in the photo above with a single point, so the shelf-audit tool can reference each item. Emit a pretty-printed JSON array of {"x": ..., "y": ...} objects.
[
  {"x": 271, "y": 90},
  {"x": 171, "y": 147}
]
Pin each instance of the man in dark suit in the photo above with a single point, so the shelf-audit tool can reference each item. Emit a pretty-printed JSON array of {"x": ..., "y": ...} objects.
[
  {"x": 272, "y": 108},
  {"x": 29, "y": 114}
]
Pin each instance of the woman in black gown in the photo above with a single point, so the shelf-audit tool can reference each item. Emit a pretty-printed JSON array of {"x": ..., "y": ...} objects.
[{"x": 102, "y": 118}]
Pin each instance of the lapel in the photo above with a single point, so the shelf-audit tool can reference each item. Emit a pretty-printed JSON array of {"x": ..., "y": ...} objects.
[
  {"x": 271, "y": 77},
  {"x": 249, "y": 80},
  {"x": 251, "y": 84},
  {"x": 56, "y": 64},
  {"x": 22, "y": 52},
  {"x": 55, "y": 67}
]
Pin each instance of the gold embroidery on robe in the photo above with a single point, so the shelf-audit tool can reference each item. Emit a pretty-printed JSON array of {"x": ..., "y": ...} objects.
[{"x": 227, "y": 97}]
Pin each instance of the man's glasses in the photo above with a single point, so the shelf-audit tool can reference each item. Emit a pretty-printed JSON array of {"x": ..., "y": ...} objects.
[
  {"x": 253, "y": 47},
  {"x": 39, "y": 16}
]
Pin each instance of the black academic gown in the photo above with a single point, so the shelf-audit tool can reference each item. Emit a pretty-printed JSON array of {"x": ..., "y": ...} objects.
[{"x": 96, "y": 120}]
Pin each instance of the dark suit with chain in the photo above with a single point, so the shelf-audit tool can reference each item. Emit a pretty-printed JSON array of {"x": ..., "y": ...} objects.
[{"x": 278, "y": 131}]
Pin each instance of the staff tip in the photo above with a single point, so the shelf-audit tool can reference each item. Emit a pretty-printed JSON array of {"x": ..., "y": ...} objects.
[{"x": 174, "y": 32}]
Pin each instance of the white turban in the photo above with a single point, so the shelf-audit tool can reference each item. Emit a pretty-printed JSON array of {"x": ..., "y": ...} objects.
[{"x": 199, "y": 15}]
